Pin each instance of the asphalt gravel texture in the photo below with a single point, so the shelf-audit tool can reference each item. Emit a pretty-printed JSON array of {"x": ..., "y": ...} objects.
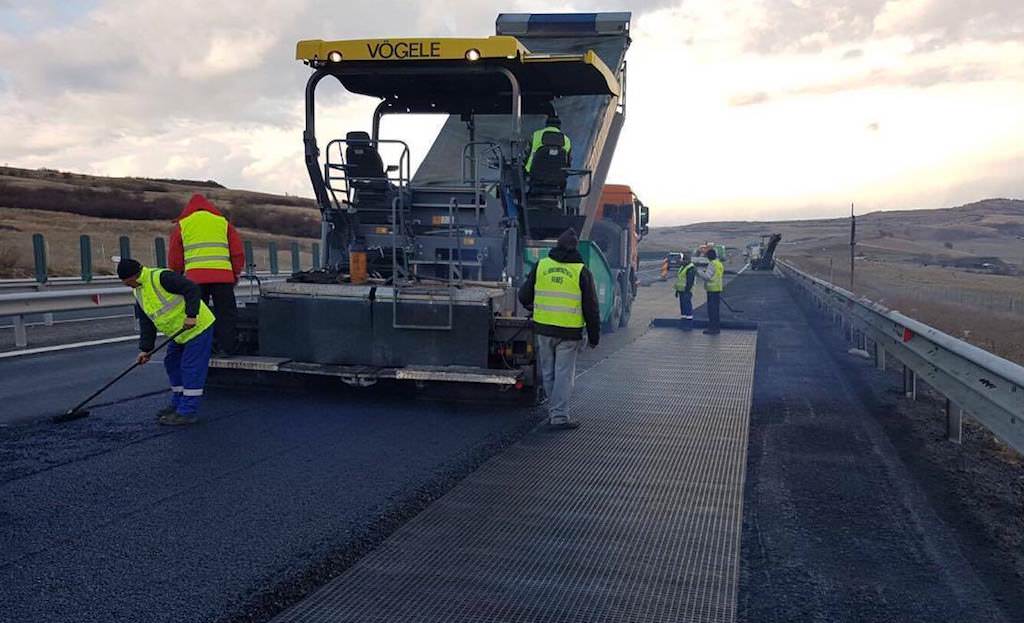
[
  {"x": 114, "y": 518},
  {"x": 845, "y": 516}
]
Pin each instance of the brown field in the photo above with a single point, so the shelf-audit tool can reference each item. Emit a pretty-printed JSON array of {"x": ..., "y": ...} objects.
[
  {"x": 63, "y": 206},
  {"x": 960, "y": 270},
  {"x": 929, "y": 295}
]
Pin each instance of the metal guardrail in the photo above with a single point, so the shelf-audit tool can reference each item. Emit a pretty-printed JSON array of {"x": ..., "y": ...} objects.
[
  {"x": 99, "y": 281},
  {"x": 988, "y": 387},
  {"x": 43, "y": 279},
  {"x": 20, "y": 304}
]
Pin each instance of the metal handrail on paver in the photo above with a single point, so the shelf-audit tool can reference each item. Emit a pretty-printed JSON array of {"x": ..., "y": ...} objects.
[
  {"x": 20, "y": 304},
  {"x": 986, "y": 386}
]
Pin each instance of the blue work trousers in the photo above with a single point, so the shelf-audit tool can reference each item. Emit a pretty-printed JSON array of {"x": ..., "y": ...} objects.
[
  {"x": 186, "y": 366},
  {"x": 686, "y": 309}
]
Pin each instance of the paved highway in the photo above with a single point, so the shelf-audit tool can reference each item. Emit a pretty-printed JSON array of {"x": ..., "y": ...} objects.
[{"x": 113, "y": 518}]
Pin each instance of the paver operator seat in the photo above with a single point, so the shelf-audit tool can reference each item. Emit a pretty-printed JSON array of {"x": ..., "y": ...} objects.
[
  {"x": 548, "y": 173},
  {"x": 364, "y": 169}
]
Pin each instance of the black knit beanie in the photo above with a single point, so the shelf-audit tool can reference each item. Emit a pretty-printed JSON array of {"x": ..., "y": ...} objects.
[
  {"x": 128, "y": 267},
  {"x": 569, "y": 240}
]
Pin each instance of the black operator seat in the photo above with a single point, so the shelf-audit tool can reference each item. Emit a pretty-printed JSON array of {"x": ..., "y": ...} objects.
[
  {"x": 365, "y": 170},
  {"x": 548, "y": 172}
]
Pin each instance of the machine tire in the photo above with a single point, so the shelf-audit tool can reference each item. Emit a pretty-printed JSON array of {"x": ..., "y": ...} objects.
[
  {"x": 627, "y": 307},
  {"x": 613, "y": 322}
]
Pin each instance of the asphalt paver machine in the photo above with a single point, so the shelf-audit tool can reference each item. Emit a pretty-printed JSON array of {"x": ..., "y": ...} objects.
[{"x": 419, "y": 270}]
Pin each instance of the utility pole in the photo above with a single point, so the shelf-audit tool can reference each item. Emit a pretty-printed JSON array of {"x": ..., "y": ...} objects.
[{"x": 853, "y": 242}]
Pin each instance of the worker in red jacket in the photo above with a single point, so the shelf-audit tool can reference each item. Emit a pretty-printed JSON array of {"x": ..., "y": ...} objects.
[{"x": 209, "y": 251}]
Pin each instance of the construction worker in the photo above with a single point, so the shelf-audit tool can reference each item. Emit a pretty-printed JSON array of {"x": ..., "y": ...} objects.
[
  {"x": 167, "y": 302},
  {"x": 714, "y": 280},
  {"x": 561, "y": 292},
  {"x": 553, "y": 124},
  {"x": 684, "y": 290},
  {"x": 209, "y": 251}
]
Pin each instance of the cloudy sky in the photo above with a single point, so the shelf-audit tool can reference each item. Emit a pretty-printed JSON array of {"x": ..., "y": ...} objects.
[{"x": 737, "y": 109}]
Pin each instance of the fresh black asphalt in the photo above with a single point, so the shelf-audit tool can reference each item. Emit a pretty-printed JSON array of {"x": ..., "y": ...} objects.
[{"x": 115, "y": 519}]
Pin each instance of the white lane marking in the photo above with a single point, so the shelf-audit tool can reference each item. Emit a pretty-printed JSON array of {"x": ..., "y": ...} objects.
[{"x": 50, "y": 349}]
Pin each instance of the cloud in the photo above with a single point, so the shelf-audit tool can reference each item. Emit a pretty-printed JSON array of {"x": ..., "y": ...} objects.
[
  {"x": 810, "y": 26},
  {"x": 749, "y": 99},
  {"x": 760, "y": 103}
]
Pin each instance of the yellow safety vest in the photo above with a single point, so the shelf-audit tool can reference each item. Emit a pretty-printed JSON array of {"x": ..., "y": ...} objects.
[
  {"x": 557, "y": 298},
  {"x": 538, "y": 136},
  {"x": 204, "y": 238},
  {"x": 716, "y": 283},
  {"x": 167, "y": 310},
  {"x": 681, "y": 277}
]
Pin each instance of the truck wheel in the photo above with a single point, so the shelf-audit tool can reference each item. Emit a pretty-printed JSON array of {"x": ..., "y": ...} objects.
[
  {"x": 627, "y": 307},
  {"x": 616, "y": 316}
]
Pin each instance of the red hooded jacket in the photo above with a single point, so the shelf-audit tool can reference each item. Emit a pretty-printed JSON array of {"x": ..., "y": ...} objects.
[{"x": 176, "y": 252}]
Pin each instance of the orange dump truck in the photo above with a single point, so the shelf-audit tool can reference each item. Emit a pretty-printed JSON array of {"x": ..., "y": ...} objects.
[{"x": 618, "y": 226}]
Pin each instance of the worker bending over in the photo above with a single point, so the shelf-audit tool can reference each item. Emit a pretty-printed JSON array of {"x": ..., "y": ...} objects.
[
  {"x": 561, "y": 292},
  {"x": 167, "y": 302},
  {"x": 553, "y": 124},
  {"x": 714, "y": 280},
  {"x": 208, "y": 250},
  {"x": 684, "y": 290}
]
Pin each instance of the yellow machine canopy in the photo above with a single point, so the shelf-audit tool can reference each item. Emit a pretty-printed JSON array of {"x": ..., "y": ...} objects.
[{"x": 448, "y": 75}]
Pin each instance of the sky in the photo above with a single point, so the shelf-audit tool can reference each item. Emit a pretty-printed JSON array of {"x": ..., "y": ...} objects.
[{"x": 745, "y": 109}]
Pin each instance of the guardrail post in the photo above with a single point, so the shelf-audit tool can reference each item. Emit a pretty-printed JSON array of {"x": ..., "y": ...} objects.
[
  {"x": 316, "y": 256},
  {"x": 85, "y": 246},
  {"x": 160, "y": 252},
  {"x": 954, "y": 422},
  {"x": 39, "y": 255},
  {"x": 250, "y": 261},
  {"x": 880, "y": 356},
  {"x": 909, "y": 383},
  {"x": 20, "y": 334},
  {"x": 125, "y": 244},
  {"x": 296, "y": 258},
  {"x": 272, "y": 251}
]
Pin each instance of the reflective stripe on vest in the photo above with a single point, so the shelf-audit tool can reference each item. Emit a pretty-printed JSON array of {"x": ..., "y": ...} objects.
[
  {"x": 537, "y": 143},
  {"x": 166, "y": 309},
  {"x": 557, "y": 298},
  {"x": 204, "y": 238},
  {"x": 681, "y": 277},
  {"x": 716, "y": 283}
]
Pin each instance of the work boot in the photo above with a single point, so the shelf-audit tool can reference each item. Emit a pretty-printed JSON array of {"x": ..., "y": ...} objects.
[
  {"x": 175, "y": 419},
  {"x": 168, "y": 410}
]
